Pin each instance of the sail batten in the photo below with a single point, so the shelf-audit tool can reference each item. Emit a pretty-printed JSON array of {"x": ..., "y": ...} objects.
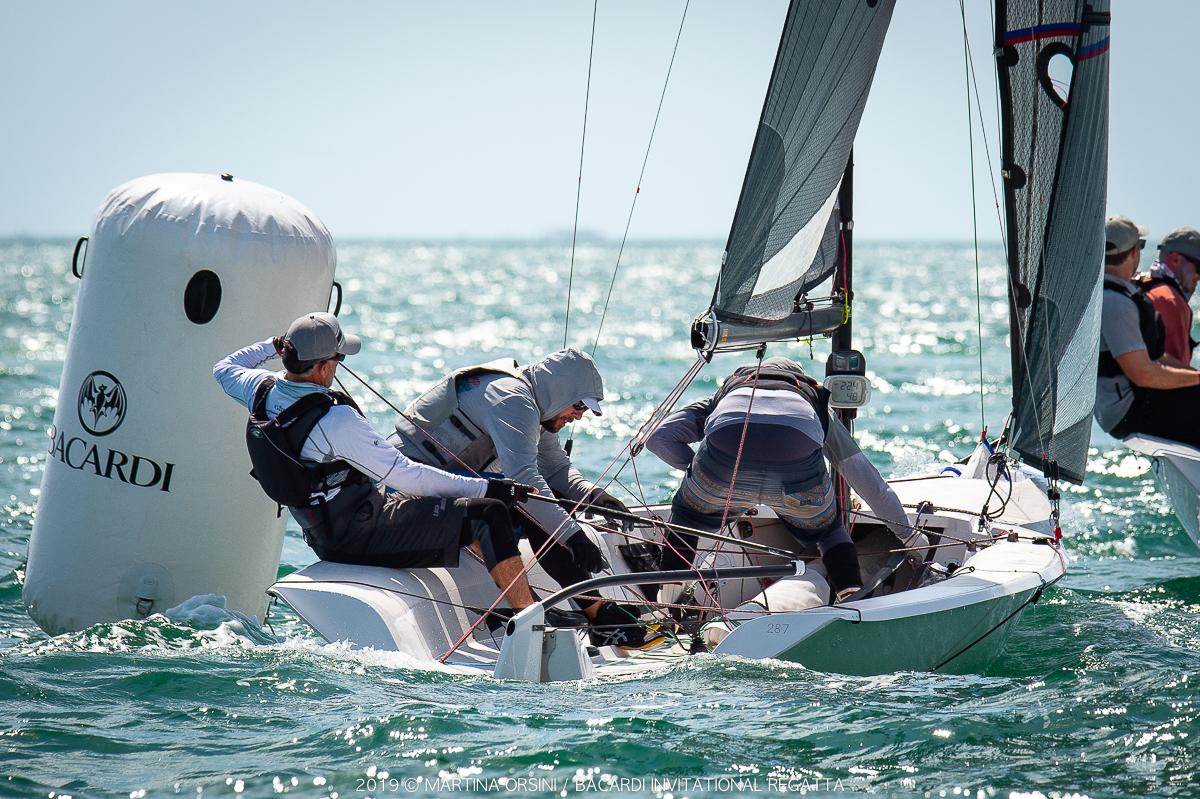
[
  {"x": 784, "y": 236},
  {"x": 1054, "y": 153}
]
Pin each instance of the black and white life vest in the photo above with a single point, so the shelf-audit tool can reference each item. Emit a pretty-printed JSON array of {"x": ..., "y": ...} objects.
[
  {"x": 275, "y": 445},
  {"x": 1150, "y": 326}
]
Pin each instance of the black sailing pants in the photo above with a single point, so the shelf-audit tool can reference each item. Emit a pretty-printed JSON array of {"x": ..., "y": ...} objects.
[{"x": 1167, "y": 413}]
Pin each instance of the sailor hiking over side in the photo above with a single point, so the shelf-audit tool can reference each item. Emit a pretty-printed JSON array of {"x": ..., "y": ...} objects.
[
  {"x": 356, "y": 498},
  {"x": 1139, "y": 388}
]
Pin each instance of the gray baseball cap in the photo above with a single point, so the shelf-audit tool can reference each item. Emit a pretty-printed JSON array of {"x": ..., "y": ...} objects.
[
  {"x": 1185, "y": 241},
  {"x": 593, "y": 404},
  {"x": 1121, "y": 234},
  {"x": 318, "y": 336}
]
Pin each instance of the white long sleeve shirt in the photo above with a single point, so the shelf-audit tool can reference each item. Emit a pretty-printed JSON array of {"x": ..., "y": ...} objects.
[{"x": 341, "y": 434}]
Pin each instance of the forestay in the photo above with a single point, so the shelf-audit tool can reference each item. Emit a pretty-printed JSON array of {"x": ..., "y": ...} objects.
[
  {"x": 784, "y": 236},
  {"x": 1055, "y": 149}
]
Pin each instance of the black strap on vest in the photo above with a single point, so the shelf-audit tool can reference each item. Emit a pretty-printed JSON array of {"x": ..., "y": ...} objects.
[
  {"x": 772, "y": 378},
  {"x": 1150, "y": 326},
  {"x": 275, "y": 446}
]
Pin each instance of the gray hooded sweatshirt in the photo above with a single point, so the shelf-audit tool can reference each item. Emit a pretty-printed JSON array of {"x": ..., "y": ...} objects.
[{"x": 512, "y": 415}]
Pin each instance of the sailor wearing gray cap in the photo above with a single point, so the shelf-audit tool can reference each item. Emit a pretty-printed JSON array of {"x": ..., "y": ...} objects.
[
  {"x": 314, "y": 452},
  {"x": 318, "y": 337},
  {"x": 1139, "y": 388},
  {"x": 1121, "y": 235},
  {"x": 1170, "y": 285}
]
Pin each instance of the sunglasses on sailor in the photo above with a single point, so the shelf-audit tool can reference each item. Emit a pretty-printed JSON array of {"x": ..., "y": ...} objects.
[{"x": 580, "y": 406}]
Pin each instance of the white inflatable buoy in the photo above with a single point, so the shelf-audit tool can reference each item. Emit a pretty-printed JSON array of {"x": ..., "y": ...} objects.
[{"x": 145, "y": 499}]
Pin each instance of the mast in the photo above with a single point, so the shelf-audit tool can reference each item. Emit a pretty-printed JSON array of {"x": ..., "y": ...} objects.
[
  {"x": 1014, "y": 179},
  {"x": 843, "y": 276}
]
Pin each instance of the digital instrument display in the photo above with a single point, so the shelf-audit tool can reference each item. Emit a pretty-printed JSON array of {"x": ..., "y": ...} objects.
[
  {"x": 848, "y": 391},
  {"x": 845, "y": 378}
]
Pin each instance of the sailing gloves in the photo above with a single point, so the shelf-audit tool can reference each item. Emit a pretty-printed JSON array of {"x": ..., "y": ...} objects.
[
  {"x": 507, "y": 491},
  {"x": 585, "y": 553},
  {"x": 601, "y": 500}
]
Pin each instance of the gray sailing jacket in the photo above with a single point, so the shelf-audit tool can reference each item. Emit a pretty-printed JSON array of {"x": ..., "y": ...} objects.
[{"x": 496, "y": 415}]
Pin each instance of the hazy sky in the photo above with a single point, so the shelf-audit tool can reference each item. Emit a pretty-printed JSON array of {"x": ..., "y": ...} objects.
[{"x": 445, "y": 119}]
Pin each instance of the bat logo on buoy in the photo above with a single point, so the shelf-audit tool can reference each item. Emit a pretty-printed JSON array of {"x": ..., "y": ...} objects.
[{"x": 102, "y": 403}]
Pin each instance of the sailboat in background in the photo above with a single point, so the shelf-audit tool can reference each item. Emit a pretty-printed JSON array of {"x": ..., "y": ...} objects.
[
  {"x": 1177, "y": 468},
  {"x": 787, "y": 273}
]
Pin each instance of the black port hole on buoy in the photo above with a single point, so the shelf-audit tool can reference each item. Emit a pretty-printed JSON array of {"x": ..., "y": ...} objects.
[{"x": 202, "y": 297}]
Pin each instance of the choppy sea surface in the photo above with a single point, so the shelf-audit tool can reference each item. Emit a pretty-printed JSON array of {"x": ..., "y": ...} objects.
[{"x": 1095, "y": 694}]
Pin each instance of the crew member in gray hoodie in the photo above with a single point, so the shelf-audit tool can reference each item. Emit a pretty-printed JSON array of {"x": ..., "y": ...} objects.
[{"x": 500, "y": 417}]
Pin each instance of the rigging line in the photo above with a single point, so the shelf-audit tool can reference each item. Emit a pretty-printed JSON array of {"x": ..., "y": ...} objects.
[
  {"x": 738, "y": 459},
  {"x": 666, "y": 539},
  {"x": 660, "y": 413},
  {"x": 587, "y": 96},
  {"x": 982, "y": 126},
  {"x": 974, "y": 212},
  {"x": 637, "y": 191}
]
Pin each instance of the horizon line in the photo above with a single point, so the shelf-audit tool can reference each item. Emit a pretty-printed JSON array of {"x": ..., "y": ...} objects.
[{"x": 590, "y": 239}]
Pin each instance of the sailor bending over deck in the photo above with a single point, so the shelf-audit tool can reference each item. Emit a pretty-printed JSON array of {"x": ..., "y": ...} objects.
[
  {"x": 1139, "y": 387},
  {"x": 787, "y": 438},
  {"x": 504, "y": 417},
  {"x": 314, "y": 452}
]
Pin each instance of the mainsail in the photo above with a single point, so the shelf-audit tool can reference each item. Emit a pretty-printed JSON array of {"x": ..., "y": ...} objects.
[
  {"x": 784, "y": 238},
  {"x": 1054, "y": 152}
]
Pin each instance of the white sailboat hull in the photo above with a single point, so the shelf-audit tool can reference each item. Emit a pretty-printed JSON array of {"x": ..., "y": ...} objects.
[
  {"x": 1177, "y": 467},
  {"x": 958, "y": 624}
]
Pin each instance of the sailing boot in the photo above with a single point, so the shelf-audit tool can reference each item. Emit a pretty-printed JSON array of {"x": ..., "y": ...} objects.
[
  {"x": 620, "y": 625},
  {"x": 841, "y": 565}
]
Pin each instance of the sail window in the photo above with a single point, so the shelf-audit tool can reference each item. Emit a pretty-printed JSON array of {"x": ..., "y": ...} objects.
[
  {"x": 202, "y": 297},
  {"x": 1056, "y": 68}
]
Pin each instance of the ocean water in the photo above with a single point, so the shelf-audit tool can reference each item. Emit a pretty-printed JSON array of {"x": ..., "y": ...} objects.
[{"x": 1095, "y": 694}]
